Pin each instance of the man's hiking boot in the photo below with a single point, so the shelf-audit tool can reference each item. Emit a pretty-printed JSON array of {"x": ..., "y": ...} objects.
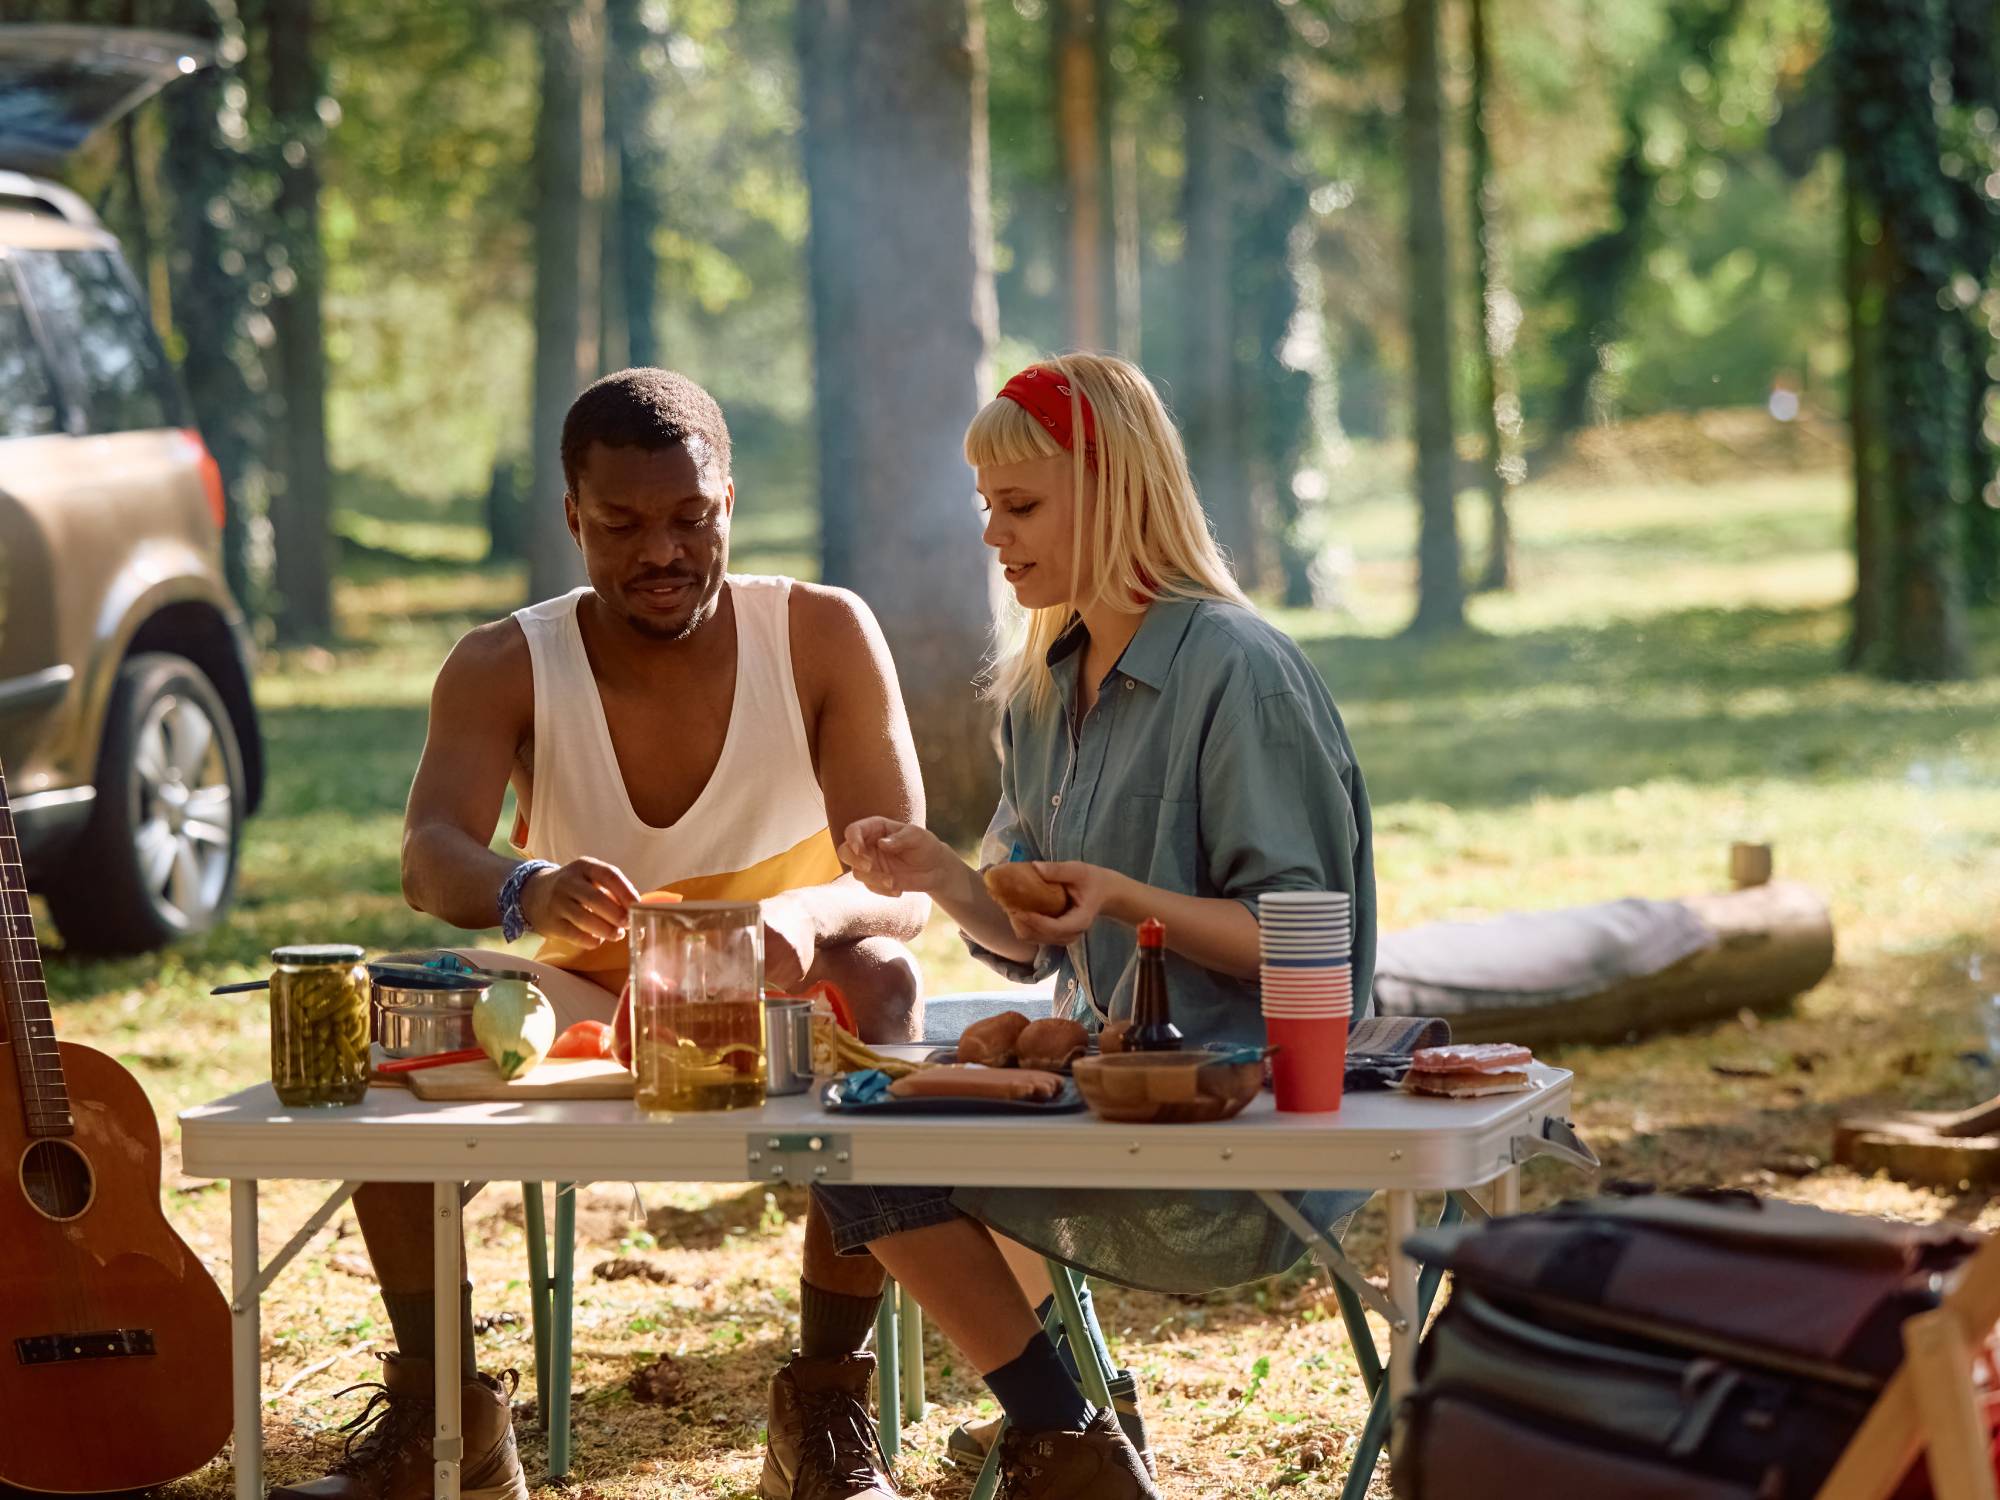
[
  {"x": 1097, "y": 1463},
  {"x": 388, "y": 1455},
  {"x": 820, "y": 1442},
  {"x": 970, "y": 1442}
]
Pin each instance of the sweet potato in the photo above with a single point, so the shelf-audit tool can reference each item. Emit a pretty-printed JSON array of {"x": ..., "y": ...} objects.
[
  {"x": 991, "y": 1041},
  {"x": 1051, "y": 1044},
  {"x": 1018, "y": 888}
]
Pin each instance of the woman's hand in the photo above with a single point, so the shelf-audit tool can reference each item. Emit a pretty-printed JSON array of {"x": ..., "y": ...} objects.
[
  {"x": 1095, "y": 893},
  {"x": 898, "y": 859}
]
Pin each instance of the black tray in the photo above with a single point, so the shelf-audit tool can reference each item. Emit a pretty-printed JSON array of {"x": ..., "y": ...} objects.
[{"x": 1066, "y": 1102}]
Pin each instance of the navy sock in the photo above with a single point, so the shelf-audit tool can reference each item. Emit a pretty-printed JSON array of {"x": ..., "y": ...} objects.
[{"x": 1037, "y": 1393}]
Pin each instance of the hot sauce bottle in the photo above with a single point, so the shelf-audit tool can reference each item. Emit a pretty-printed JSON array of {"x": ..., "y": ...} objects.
[{"x": 1153, "y": 1029}]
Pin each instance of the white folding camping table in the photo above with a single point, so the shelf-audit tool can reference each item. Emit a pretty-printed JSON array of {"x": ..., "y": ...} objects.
[{"x": 1386, "y": 1142}]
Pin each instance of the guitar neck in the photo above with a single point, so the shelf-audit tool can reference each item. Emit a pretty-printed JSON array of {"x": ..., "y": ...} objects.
[{"x": 31, "y": 1027}]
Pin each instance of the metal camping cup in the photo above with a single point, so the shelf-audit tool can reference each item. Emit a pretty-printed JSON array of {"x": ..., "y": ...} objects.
[
  {"x": 788, "y": 1046},
  {"x": 697, "y": 1005}
]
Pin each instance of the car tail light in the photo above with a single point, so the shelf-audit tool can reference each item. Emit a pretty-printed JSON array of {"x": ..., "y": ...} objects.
[{"x": 211, "y": 476}]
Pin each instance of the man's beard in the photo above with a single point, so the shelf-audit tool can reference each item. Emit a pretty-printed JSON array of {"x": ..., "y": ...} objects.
[{"x": 659, "y": 630}]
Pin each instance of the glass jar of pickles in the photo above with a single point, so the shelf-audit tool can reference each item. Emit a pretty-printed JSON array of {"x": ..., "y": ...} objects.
[{"x": 319, "y": 1025}]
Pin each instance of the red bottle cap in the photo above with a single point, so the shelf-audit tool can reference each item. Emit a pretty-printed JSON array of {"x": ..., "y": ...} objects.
[{"x": 1152, "y": 933}]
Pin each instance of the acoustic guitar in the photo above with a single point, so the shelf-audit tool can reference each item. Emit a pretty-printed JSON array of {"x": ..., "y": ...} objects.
[{"x": 114, "y": 1340}]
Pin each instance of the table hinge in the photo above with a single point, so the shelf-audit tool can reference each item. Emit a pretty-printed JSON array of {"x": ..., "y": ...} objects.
[{"x": 816, "y": 1156}]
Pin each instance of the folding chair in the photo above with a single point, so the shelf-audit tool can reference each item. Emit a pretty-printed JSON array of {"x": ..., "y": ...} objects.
[{"x": 1930, "y": 1406}]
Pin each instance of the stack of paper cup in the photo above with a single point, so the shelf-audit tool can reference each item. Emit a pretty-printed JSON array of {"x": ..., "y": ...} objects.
[{"x": 1308, "y": 986}]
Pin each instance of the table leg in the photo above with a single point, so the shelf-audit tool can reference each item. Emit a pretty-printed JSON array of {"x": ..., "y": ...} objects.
[
  {"x": 562, "y": 1346},
  {"x": 1507, "y": 1192},
  {"x": 246, "y": 1340},
  {"x": 532, "y": 1209},
  {"x": 888, "y": 1372},
  {"x": 1402, "y": 1292},
  {"x": 447, "y": 1442}
]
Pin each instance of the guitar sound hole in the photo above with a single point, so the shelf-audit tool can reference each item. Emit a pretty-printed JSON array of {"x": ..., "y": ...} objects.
[{"x": 56, "y": 1177}]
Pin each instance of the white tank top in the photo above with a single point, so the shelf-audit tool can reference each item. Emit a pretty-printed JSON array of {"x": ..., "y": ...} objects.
[{"x": 758, "y": 827}]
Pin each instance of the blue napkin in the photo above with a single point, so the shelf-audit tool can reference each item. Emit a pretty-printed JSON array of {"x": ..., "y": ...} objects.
[{"x": 865, "y": 1087}]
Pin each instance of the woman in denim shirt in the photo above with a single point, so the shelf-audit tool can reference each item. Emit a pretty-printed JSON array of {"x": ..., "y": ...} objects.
[{"x": 1165, "y": 753}]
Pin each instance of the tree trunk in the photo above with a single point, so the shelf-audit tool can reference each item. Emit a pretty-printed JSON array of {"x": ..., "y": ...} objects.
[
  {"x": 631, "y": 93},
  {"x": 1440, "y": 586},
  {"x": 1861, "y": 274},
  {"x": 1083, "y": 146},
  {"x": 1206, "y": 391},
  {"x": 569, "y": 180},
  {"x": 301, "y": 511},
  {"x": 1495, "y": 309},
  {"x": 206, "y": 175},
  {"x": 894, "y": 98},
  {"x": 1975, "y": 82},
  {"x": 1126, "y": 257},
  {"x": 1273, "y": 230},
  {"x": 1885, "y": 57}
]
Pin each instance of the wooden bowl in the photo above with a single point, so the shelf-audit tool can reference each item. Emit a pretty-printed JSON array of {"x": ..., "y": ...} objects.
[{"x": 1166, "y": 1088}]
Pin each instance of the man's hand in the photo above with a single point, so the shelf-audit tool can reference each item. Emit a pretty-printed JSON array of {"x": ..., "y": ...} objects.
[
  {"x": 894, "y": 858},
  {"x": 1094, "y": 893},
  {"x": 585, "y": 901},
  {"x": 791, "y": 943}
]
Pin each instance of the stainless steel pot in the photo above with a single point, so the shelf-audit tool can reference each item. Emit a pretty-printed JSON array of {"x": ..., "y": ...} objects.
[
  {"x": 788, "y": 1046},
  {"x": 419, "y": 1012}
]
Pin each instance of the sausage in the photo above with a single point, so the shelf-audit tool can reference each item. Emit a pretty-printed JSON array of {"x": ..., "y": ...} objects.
[
  {"x": 949, "y": 1082},
  {"x": 1052, "y": 1044},
  {"x": 991, "y": 1041},
  {"x": 1018, "y": 887}
]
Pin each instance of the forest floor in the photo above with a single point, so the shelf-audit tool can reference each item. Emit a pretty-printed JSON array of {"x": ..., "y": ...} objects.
[{"x": 1660, "y": 683}]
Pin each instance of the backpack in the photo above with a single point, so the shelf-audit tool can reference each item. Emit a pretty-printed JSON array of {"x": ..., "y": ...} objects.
[{"x": 1702, "y": 1346}]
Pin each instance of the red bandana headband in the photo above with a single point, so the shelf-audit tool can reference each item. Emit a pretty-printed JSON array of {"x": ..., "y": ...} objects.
[{"x": 1044, "y": 394}]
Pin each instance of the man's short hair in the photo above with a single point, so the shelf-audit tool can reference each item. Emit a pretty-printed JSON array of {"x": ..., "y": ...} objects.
[{"x": 644, "y": 408}]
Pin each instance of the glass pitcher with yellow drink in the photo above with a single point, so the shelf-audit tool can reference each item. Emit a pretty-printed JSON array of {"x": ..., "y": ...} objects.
[{"x": 697, "y": 1005}]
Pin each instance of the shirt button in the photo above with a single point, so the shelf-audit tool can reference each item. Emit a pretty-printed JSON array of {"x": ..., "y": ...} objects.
[
  {"x": 1129, "y": 684},
  {"x": 1056, "y": 800}
]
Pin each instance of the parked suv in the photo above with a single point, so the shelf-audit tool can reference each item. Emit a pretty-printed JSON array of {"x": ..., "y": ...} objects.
[{"x": 127, "y": 732}]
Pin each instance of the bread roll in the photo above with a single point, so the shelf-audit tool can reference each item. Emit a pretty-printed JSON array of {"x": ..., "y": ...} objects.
[
  {"x": 1052, "y": 1044},
  {"x": 992, "y": 1040},
  {"x": 1018, "y": 888},
  {"x": 1466, "y": 1085}
]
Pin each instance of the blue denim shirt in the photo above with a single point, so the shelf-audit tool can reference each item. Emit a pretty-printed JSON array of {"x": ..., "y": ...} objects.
[{"x": 1214, "y": 764}]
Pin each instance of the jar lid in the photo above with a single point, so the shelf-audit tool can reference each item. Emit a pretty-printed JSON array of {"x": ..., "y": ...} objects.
[{"x": 317, "y": 953}]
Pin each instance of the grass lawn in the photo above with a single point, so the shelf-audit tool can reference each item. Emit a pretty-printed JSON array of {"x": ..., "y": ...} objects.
[{"x": 1659, "y": 685}]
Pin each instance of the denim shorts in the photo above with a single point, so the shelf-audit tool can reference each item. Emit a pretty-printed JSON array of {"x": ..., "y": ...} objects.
[{"x": 859, "y": 1215}]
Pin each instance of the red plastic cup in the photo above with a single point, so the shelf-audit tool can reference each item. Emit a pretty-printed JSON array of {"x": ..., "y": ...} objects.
[{"x": 1307, "y": 1071}]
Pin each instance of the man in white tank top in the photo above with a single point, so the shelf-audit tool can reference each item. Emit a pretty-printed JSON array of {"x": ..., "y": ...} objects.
[{"x": 668, "y": 727}]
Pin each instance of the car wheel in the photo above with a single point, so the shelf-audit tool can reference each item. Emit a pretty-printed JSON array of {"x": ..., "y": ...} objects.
[{"x": 158, "y": 859}]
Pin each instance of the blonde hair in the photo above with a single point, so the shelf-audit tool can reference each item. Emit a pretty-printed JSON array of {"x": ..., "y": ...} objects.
[{"x": 1149, "y": 538}]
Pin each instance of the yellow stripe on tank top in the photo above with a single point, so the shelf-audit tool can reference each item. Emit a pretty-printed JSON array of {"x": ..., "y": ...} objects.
[{"x": 812, "y": 861}]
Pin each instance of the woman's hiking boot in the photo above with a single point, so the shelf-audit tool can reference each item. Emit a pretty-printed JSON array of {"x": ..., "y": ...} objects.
[
  {"x": 820, "y": 1441},
  {"x": 1098, "y": 1463},
  {"x": 388, "y": 1452},
  {"x": 970, "y": 1442}
]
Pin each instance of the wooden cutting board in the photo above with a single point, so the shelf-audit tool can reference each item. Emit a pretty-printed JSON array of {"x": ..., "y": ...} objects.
[{"x": 556, "y": 1078}]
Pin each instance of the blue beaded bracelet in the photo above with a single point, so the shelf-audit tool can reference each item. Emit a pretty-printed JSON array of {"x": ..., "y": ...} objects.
[{"x": 512, "y": 923}]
